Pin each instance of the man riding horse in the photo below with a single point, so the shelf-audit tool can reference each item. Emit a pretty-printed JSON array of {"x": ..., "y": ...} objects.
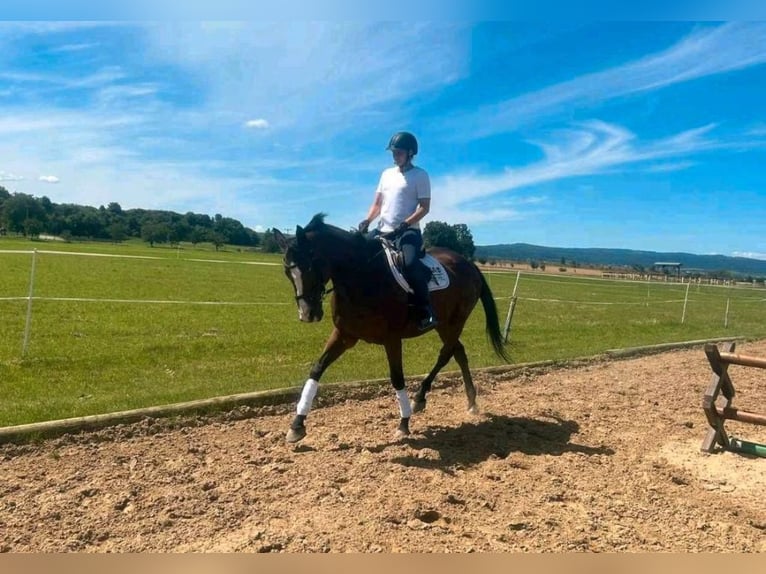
[{"x": 402, "y": 199}]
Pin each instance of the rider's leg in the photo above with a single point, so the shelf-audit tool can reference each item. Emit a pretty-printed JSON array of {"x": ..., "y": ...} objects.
[{"x": 411, "y": 245}]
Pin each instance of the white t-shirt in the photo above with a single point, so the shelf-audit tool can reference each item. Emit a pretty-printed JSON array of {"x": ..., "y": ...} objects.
[{"x": 400, "y": 194}]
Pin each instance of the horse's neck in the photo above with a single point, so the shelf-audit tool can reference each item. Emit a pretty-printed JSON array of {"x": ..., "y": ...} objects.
[{"x": 353, "y": 268}]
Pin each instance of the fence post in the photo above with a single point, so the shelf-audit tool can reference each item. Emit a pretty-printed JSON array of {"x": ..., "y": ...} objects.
[
  {"x": 726, "y": 315},
  {"x": 686, "y": 298},
  {"x": 28, "y": 324},
  {"x": 511, "y": 307},
  {"x": 648, "y": 287}
]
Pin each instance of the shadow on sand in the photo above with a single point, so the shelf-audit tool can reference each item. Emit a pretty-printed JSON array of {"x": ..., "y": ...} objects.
[{"x": 496, "y": 436}]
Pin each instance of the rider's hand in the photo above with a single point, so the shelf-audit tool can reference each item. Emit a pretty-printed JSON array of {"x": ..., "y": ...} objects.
[
  {"x": 364, "y": 225},
  {"x": 403, "y": 226}
]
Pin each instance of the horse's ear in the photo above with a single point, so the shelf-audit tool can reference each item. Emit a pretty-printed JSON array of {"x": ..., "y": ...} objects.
[
  {"x": 281, "y": 239},
  {"x": 300, "y": 234}
]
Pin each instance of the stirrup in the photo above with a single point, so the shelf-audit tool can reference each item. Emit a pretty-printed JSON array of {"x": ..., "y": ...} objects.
[{"x": 427, "y": 323}]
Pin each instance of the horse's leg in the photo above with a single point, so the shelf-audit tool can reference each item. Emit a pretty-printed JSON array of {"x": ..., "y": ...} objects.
[
  {"x": 470, "y": 390},
  {"x": 445, "y": 354},
  {"x": 336, "y": 345},
  {"x": 394, "y": 354}
]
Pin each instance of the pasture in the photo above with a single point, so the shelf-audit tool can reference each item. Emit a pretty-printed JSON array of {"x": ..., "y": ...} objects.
[{"x": 169, "y": 325}]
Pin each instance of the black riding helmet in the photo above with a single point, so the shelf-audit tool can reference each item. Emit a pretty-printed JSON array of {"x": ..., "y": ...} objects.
[{"x": 405, "y": 141}]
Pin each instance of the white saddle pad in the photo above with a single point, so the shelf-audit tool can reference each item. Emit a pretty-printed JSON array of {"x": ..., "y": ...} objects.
[{"x": 439, "y": 278}]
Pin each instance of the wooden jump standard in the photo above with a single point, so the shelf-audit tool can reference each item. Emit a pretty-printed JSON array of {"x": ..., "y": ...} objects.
[{"x": 716, "y": 414}]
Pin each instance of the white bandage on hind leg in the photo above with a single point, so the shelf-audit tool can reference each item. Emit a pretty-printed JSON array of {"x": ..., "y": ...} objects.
[
  {"x": 404, "y": 403},
  {"x": 307, "y": 397}
]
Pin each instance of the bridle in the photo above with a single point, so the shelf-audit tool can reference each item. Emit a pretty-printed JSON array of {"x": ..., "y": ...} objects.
[{"x": 322, "y": 289}]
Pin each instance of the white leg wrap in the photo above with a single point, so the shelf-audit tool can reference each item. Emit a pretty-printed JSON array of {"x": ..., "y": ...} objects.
[
  {"x": 404, "y": 403},
  {"x": 307, "y": 397}
]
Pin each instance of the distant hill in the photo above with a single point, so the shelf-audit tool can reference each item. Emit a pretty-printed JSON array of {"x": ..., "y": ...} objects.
[{"x": 621, "y": 258}]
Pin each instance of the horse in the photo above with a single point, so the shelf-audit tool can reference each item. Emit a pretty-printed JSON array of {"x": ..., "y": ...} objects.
[{"x": 368, "y": 304}]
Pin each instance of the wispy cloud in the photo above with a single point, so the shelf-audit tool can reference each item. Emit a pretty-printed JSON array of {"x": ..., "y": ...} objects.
[
  {"x": 707, "y": 51},
  {"x": 670, "y": 166},
  {"x": 312, "y": 73},
  {"x": 587, "y": 149},
  {"x": 74, "y": 47},
  {"x": 5, "y": 176},
  {"x": 48, "y": 179}
]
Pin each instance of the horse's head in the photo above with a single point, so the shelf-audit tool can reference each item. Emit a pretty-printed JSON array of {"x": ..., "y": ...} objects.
[{"x": 306, "y": 271}]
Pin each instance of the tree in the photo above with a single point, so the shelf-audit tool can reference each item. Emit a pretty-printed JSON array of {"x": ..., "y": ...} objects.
[
  {"x": 440, "y": 234},
  {"x": 117, "y": 232},
  {"x": 465, "y": 240},
  {"x": 32, "y": 228},
  {"x": 269, "y": 243},
  {"x": 155, "y": 233},
  {"x": 217, "y": 239},
  {"x": 20, "y": 207},
  {"x": 198, "y": 235},
  {"x": 456, "y": 237}
]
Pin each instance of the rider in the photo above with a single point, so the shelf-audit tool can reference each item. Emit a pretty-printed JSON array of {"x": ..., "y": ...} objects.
[{"x": 402, "y": 199}]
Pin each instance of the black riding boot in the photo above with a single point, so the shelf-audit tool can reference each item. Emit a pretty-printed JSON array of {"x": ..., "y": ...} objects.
[
  {"x": 418, "y": 275},
  {"x": 426, "y": 316}
]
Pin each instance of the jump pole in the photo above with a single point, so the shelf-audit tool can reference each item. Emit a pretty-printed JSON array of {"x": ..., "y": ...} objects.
[{"x": 717, "y": 402}]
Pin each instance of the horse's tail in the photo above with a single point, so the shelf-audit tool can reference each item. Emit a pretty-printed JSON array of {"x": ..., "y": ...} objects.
[{"x": 492, "y": 320}]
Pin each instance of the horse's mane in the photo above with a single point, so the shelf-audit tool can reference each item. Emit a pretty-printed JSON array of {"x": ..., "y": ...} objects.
[
  {"x": 360, "y": 241},
  {"x": 317, "y": 222}
]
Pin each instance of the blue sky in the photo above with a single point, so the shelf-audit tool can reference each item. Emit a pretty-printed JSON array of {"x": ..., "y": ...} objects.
[{"x": 637, "y": 135}]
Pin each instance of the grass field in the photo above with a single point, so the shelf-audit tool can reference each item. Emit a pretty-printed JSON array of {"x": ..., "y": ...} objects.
[{"x": 168, "y": 325}]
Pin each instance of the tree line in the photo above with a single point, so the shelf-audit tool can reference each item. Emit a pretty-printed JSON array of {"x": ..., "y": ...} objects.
[{"x": 31, "y": 216}]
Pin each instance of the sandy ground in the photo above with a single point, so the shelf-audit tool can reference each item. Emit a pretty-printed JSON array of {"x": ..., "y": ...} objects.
[{"x": 589, "y": 458}]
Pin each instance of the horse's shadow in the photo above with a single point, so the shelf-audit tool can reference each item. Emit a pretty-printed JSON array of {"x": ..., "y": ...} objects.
[{"x": 494, "y": 437}]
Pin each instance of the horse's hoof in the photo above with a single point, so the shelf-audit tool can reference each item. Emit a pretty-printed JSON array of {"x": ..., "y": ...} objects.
[
  {"x": 403, "y": 430},
  {"x": 295, "y": 435},
  {"x": 473, "y": 409},
  {"x": 418, "y": 406}
]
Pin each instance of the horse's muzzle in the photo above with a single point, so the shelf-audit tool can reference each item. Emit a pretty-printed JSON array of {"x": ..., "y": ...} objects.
[{"x": 310, "y": 314}]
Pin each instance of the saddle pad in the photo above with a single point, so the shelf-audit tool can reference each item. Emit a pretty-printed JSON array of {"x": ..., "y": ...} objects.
[{"x": 439, "y": 278}]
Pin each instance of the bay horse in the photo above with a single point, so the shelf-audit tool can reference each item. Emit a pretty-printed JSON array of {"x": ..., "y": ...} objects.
[{"x": 368, "y": 304}]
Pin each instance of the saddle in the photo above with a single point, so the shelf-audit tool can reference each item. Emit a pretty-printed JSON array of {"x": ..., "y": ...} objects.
[{"x": 438, "y": 280}]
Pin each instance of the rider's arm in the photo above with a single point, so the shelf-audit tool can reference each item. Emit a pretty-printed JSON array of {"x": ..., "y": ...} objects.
[
  {"x": 374, "y": 210},
  {"x": 424, "y": 206}
]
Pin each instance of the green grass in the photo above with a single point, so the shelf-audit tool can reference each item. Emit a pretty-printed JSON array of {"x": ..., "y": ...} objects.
[{"x": 92, "y": 351}]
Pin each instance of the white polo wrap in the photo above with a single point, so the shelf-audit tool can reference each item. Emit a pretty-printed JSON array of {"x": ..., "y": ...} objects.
[
  {"x": 404, "y": 403},
  {"x": 307, "y": 397}
]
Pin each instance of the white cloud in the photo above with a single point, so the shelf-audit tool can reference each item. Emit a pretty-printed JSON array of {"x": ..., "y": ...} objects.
[
  {"x": 5, "y": 176},
  {"x": 259, "y": 124},
  {"x": 749, "y": 254},
  {"x": 49, "y": 178}
]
